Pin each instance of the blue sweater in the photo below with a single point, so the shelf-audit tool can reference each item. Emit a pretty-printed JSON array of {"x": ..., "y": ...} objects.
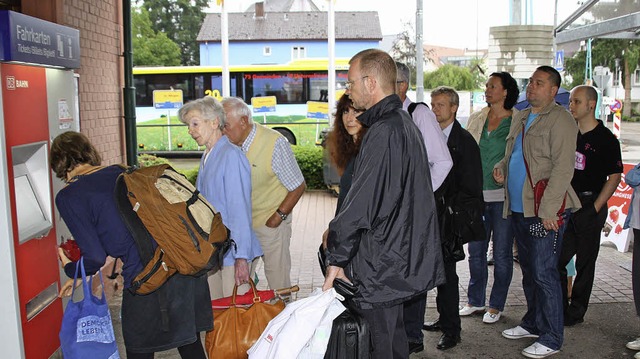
[{"x": 88, "y": 208}]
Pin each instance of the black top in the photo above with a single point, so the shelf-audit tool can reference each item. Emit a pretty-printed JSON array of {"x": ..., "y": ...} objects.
[
  {"x": 345, "y": 183},
  {"x": 597, "y": 156}
]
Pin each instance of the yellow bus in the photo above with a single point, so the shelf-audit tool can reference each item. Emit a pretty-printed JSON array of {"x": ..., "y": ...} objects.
[{"x": 292, "y": 84}]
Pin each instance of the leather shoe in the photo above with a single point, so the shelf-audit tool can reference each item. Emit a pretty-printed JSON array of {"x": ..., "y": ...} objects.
[
  {"x": 448, "y": 341},
  {"x": 415, "y": 347},
  {"x": 570, "y": 321},
  {"x": 432, "y": 326}
]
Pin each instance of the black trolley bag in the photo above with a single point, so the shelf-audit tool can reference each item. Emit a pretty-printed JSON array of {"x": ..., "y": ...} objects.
[{"x": 350, "y": 335}]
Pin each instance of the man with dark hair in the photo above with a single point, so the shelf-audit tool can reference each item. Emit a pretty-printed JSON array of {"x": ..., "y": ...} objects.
[
  {"x": 384, "y": 240},
  {"x": 439, "y": 164},
  {"x": 538, "y": 148},
  {"x": 596, "y": 175}
]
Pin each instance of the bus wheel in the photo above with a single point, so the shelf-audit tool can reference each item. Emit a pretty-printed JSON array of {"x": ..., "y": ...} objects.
[{"x": 287, "y": 134}]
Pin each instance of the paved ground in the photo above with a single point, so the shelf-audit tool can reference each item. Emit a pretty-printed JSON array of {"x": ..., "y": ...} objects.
[{"x": 610, "y": 322}]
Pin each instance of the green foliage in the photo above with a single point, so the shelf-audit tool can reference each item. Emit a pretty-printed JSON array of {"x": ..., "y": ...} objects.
[
  {"x": 460, "y": 78},
  {"x": 151, "y": 48},
  {"x": 154, "y": 136},
  {"x": 146, "y": 160},
  {"x": 309, "y": 159},
  {"x": 180, "y": 20},
  {"x": 404, "y": 50}
]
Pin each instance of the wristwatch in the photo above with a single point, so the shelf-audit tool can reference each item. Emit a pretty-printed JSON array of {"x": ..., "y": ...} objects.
[{"x": 282, "y": 215}]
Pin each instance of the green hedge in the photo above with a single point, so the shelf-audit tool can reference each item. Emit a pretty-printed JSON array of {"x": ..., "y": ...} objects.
[{"x": 309, "y": 159}]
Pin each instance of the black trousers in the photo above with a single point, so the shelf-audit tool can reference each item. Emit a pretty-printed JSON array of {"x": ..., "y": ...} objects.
[
  {"x": 388, "y": 339},
  {"x": 414, "y": 310},
  {"x": 447, "y": 301},
  {"x": 582, "y": 239}
]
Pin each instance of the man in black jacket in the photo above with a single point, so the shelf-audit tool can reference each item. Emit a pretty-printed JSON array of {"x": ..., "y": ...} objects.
[
  {"x": 385, "y": 238},
  {"x": 462, "y": 214}
]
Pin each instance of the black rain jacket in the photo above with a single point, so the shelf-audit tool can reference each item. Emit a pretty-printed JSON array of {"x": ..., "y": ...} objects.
[{"x": 386, "y": 234}]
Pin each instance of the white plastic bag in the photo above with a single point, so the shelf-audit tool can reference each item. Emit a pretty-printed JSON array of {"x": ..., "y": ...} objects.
[{"x": 290, "y": 331}]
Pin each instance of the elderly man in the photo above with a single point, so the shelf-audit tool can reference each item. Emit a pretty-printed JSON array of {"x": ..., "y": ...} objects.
[
  {"x": 596, "y": 176},
  {"x": 384, "y": 239},
  {"x": 540, "y": 146},
  {"x": 276, "y": 186}
]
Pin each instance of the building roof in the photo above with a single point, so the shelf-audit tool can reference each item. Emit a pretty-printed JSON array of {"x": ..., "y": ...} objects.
[
  {"x": 310, "y": 25},
  {"x": 286, "y": 5}
]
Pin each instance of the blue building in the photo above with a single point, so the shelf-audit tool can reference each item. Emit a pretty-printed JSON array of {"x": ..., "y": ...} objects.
[{"x": 263, "y": 37}]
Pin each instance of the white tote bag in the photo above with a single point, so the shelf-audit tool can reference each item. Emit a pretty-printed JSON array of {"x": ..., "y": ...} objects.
[{"x": 290, "y": 331}]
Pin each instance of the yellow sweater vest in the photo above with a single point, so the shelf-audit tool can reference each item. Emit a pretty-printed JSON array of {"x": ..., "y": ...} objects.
[{"x": 266, "y": 190}]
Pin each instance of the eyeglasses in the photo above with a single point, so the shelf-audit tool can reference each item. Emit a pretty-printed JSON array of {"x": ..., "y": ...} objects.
[{"x": 349, "y": 84}]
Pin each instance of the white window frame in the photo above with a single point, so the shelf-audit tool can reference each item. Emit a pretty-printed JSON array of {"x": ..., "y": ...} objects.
[
  {"x": 636, "y": 75},
  {"x": 266, "y": 51},
  {"x": 298, "y": 52}
]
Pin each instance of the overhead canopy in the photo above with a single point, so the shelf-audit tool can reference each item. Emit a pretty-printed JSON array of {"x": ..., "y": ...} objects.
[{"x": 618, "y": 19}]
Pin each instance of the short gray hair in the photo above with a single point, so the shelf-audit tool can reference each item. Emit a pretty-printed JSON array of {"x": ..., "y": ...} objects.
[
  {"x": 403, "y": 72},
  {"x": 454, "y": 99},
  {"x": 238, "y": 107},
  {"x": 209, "y": 108}
]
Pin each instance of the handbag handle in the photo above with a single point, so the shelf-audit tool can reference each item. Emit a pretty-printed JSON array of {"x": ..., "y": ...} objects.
[
  {"x": 85, "y": 285},
  {"x": 256, "y": 297},
  {"x": 526, "y": 165}
]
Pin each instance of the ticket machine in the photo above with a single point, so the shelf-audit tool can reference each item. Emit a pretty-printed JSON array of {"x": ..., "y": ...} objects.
[{"x": 38, "y": 100}]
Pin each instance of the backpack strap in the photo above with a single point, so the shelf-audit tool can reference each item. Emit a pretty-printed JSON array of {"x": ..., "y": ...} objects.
[
  {"x": 143, "y": 239},
  {"x": 413, "y": 105}
]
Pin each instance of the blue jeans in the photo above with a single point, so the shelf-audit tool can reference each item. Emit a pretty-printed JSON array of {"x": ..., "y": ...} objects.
[
  {"x": 502, "y": 255},
  {"x": 541, "y": 281}
]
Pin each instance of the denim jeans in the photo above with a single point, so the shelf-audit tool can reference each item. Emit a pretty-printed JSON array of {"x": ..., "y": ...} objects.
[
  {"x": 502, "y": 255},
  {"x": 540, "y": 281}
]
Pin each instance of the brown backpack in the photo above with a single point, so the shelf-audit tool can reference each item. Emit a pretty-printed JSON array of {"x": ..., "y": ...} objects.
[{"x": 173, "y": 225}]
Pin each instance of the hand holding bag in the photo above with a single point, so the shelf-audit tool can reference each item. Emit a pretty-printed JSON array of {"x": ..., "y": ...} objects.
[
  {"x": 237, "y": 328},
  {"x": 87, "y": 331}
]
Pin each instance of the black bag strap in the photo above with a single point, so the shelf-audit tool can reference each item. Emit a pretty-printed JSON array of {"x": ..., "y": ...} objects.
[{"x": 413, "y": 105}]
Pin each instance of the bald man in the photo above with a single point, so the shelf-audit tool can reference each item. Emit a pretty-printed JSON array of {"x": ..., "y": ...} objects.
[{"x": 596, "y": 175}]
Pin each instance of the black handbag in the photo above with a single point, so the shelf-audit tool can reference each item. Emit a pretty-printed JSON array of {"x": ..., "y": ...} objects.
[{"x": 342, "y": 287}]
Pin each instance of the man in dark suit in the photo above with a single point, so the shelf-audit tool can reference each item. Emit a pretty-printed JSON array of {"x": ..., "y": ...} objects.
[{"x": 460, "y": 212}]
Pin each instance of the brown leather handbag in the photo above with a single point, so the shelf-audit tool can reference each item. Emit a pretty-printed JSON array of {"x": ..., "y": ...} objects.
[{"x": 238, "y": 327}]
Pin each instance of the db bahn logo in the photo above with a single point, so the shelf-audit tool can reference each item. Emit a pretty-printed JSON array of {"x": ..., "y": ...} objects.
[{"x": 11, "y": 83}]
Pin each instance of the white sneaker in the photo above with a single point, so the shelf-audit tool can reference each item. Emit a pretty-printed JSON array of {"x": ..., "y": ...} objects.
[
  {"x": 637, "y": 356},
  {"x": 517, "y": 333},
  {"x": 491, "y": 318},
  {"x": 634, "y": 345},
  {"x": 468, "y": 310},
  {"x": 537, "y": 350}
]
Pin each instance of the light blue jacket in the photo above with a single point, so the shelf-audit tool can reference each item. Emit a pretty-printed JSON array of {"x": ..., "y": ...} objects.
[
  {"x": 632, "y": 178},
  {"x": 225, "y": 181}
]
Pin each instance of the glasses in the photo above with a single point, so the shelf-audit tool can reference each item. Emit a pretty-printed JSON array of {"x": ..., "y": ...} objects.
[{"x": 349, "y": 84}]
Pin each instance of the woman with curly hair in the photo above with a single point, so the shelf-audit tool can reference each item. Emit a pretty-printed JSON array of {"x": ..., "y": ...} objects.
[{"x": 343, "y": 143}]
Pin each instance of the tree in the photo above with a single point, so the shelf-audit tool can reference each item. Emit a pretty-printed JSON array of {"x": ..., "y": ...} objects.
[
  {"x": 149, "y": 48},
  {"x": 460, "y": 78},
  {"x": 404, "y": 50},
  {"x": 180, "y": 20},
  {"x": 604, "y": 52}
]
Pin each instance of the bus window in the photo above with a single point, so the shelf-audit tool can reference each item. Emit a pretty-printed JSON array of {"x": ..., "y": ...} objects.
[
  {"x": 216, "y": 85},
  {"x": 284, "y": 86},
  {"x": 143, "y": 97}
]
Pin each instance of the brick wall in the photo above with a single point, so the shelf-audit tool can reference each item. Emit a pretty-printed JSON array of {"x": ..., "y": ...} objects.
[{"x": 101, "y": 106}]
